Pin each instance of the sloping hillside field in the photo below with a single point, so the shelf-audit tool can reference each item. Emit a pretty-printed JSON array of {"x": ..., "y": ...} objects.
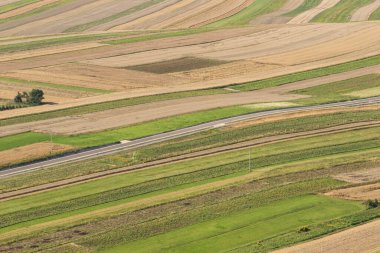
[{"x": 205, "y": 126}]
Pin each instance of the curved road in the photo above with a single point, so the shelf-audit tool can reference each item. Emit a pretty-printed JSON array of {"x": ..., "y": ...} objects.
[{"x": 128, "y": 145}]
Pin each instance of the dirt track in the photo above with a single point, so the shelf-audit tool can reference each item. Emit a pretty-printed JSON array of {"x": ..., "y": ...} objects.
[
  {"x": 197, "y": 154},
  {"x": 365, "y": 12},
  {"x": 364, "y": 239},
  {"x": 308, "y": 15}
]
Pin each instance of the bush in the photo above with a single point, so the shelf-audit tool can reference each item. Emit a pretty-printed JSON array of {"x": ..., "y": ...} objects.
[
  {"x": 372, "y": 203},
  {"x": 35, "y": 97},
  {"x": 304, "y": 229}
]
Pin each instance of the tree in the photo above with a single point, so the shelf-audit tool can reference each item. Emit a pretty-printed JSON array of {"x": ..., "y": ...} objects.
[
  {"x": 18, "y": 98},
  {"x": 35, "y": 97}
]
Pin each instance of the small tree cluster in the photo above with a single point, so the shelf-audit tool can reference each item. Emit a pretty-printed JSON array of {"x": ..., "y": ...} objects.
[{"x": 33, "y": 98}]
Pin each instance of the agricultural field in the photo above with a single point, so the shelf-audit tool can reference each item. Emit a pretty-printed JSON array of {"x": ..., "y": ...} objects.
[{"x": 190, "y": 126}]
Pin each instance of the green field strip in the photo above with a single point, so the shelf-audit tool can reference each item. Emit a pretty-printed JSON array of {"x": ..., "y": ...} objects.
[
  {"x": 305, "y": 6},
  {"x": 35, "y": 11},
  {"x": 316, "y": 230},
  {"x": 232, "y": 199},
  {"x": 341, "y": 12},
  {"x": 16, "y": 5},
  {"x": 41, "y": 205},
  {"x": 340, "y": 91},
  {"x": 256, "y": 9},
  {"x": 86, "y": 26},
  {"x": 15, "y": 141},
  {"x": 245, "y": 226},
  {"x": 29, "y": 83},
  {"x": 309, "y": 74},
  {"x": 375, "y": 15}
]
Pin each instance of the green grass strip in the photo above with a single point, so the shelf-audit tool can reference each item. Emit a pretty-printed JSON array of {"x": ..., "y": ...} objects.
[
  {"x": 375, "y": 15},
  {"x": 84, "y": 27},
  {"x": 341, "y": 12},
  {"x": 256, "y": 9},
  {"x": 11, "y": 80},
  {"x": 239, "y": 228},
  {"x": 306, "y": 5},
  {"x": 309, "y": 74},
  {"x": 315, "y": 231}
]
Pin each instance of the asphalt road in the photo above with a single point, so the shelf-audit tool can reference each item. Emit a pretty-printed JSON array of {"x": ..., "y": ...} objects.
[{"x": 128, "y": 145}]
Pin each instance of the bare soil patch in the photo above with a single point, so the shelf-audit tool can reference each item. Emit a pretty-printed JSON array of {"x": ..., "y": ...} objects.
[
  {"x": 31, "y": 152},
  {"x": 364, "y": 238},
  {"x": 176, "y": 65},
  {"x": 360, "y": 176},
  {"x": 364, "y": 192}
]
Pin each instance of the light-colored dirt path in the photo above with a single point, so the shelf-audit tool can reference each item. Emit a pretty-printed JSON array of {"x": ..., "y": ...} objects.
[
  {"x": 363, "y": 13},
  {"x": 26, "y": 8},
  {"x": 361, "y": 239},
  {"x": 277, "y": 16},
  {"x": 308, "y": 15}
]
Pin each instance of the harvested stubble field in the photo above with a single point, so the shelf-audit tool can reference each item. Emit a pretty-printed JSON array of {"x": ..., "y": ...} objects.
[{"x": 116, "y": 70}]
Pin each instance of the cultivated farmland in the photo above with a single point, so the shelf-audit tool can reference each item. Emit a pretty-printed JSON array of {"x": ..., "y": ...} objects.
[{"x": 189, "y": 126}]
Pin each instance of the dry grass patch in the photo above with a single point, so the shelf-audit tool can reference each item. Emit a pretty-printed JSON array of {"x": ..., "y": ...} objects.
[
  {"x": 361, "y": 176},
  {"x": 31, "y": 152},
  {"x": 363, "y": 192}
]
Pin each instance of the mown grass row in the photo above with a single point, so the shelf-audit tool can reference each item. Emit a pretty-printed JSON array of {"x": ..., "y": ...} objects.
[
  {"x": 341, "y": 12},
  {"x": 202, "y": 141},
  {"x": 42, "y": 210},
  {"x": 306, "y": 5}
]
